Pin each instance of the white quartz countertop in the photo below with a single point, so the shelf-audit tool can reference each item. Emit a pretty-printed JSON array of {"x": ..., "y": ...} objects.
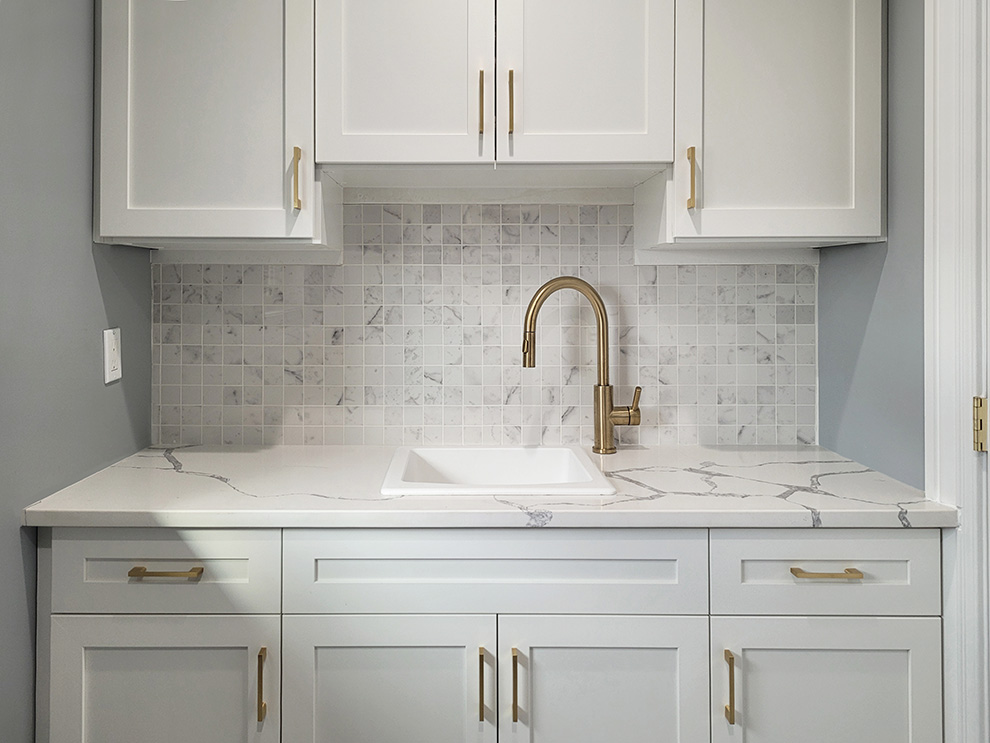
[{"x": 338, "y": 486}]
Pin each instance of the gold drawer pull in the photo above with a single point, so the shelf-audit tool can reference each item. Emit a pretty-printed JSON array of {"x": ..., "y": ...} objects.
[
  {"x": 515, "y": 685},
  {"x": 512, "y": 102},
  {"x": 481, "y": 684},
  {"x": 691, "y": 202},
  {"x": 730, "y": 708},
  {"x": 296, "y": 157},
  {"x": 262, "y": 707},
  {"x": 481, "y": 102},
  {"x": 848, "y": 574},
  {"x": 139, "y": 571}
]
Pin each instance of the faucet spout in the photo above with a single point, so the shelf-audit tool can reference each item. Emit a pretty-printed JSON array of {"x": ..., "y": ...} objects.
[
  {"x": 607, "y": 415},
  {"x": 601, "y": 317}
]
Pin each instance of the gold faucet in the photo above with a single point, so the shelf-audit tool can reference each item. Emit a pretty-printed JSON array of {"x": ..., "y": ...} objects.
[{"x": 607, "y": 416}]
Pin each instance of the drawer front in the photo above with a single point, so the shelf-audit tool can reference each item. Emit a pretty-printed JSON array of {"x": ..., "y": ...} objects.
[
  {"x": 796, "y": 571},
  {"x": 593, "y": 571},
  {"x": 98, "y": 571}
]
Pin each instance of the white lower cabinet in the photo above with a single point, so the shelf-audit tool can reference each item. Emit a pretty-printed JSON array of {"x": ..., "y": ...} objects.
[
  {"x": 825, "y": 679},
  {"x": 825, "y": 636},
  {"x": 489, "y": 635},
  {"x": 162, "y": 679}
]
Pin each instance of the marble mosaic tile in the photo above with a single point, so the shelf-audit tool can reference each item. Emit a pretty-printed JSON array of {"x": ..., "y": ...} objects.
[{"x": 416, "y": 338}]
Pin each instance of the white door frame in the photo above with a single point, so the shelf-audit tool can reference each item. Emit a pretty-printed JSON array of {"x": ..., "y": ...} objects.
[{"x": 956, "y": 217}]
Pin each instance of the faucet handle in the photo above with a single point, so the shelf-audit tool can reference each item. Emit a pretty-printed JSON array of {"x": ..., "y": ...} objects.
[{"x": 628, "y": 415}]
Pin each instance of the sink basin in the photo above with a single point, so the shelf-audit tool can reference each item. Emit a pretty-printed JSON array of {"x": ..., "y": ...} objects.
[{"x": 495, "y": 470}]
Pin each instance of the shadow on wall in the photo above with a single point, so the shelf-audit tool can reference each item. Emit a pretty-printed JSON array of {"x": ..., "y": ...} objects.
[
  {"x": 127, "y": 305},
  {"x": 871, "y": 359},
  {"x": 29, "y": 551},
  {"x": 852, "y": 298}
]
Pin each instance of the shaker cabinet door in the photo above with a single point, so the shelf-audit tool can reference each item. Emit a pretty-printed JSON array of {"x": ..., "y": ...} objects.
[
  {"x": 389, "y": 679},
  {"x": 782, "y": 105},
  {"x": 163, "y": 679},
  {"x": 201, "y": 105},
  {"x": 405, "y": 82},
  {"x": 581, "y": 81},
  {"x": 603, "y": 678},
  {"x": 826, "y": 679}
]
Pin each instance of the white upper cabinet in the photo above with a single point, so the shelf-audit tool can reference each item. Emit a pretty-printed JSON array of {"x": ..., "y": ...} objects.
[
  {"x": 781, "y": 104},
  {"x": 590, "y": 81},
  {"x": 417, "y": 82},
  {"x": 202, "y": 105}
]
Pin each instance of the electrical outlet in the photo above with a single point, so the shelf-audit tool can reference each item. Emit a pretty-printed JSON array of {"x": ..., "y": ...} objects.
[{"x": 111, "y": 355}]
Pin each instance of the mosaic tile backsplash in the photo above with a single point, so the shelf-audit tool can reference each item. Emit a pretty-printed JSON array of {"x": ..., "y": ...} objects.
[{"x": 417, "y": 337}]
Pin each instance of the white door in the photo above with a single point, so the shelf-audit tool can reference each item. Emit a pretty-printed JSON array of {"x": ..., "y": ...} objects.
[
  {"x": 782, "y": 101},
  {"x": 567, "y": 679},
  {"x": 163, "y": 679},
  {"x": 405, "y": 82},
  {"x": 590, "y": 81},
  {"x": 201, "y": 106},
  {"x": 389, "y": 679},
  {"x": 827, "y": 679}
]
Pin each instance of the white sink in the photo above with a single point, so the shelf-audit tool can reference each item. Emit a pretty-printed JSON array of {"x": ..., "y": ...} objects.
[{"x": 495, "y": 470}]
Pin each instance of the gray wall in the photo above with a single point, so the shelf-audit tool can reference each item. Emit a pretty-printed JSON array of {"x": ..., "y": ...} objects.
[
  {"x": 58, "y": 423},
  {"x": 871, "y": 332}
]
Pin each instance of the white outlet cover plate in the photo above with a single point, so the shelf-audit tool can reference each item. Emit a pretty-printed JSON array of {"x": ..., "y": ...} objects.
[{"x": 111, "y": 355}]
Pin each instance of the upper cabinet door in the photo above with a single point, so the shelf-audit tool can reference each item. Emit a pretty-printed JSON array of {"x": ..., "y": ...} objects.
[
  {"x": 782, "y": 101},
  {"x": 201, "y": 106},
  {"x": 590, "y": 81},
  {"x": 405, "y": 82}
]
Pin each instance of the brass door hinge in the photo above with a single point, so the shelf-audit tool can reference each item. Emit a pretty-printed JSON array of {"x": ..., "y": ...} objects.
[{"x": 979, "y": 424}]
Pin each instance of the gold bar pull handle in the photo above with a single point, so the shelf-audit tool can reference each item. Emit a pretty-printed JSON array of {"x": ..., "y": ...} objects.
[
  {"x": 296, "y": 157},
  {"x": 481, "y": 102},
  {"x": 847, "y": 574},
  {"x": 515, "y": 685},
  {"x": 512, "y": 102},
  {"x": 262, "y": 706},
  {"x": 694, "y": 166},
  {"x": 139, "y": 571},
  {"x": 730, "y": 708},
  {"x": 481, "y": 684}
]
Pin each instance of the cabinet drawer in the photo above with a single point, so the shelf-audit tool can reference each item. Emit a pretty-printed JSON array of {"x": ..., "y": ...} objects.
[
  {"x": 593, "y": 571},
  {"x": 796, "y": 571},
  {"x": 93, "y": 571}
]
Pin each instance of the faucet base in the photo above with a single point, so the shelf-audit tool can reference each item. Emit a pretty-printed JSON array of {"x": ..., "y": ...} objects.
[{"x": 604, "y": 427}]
